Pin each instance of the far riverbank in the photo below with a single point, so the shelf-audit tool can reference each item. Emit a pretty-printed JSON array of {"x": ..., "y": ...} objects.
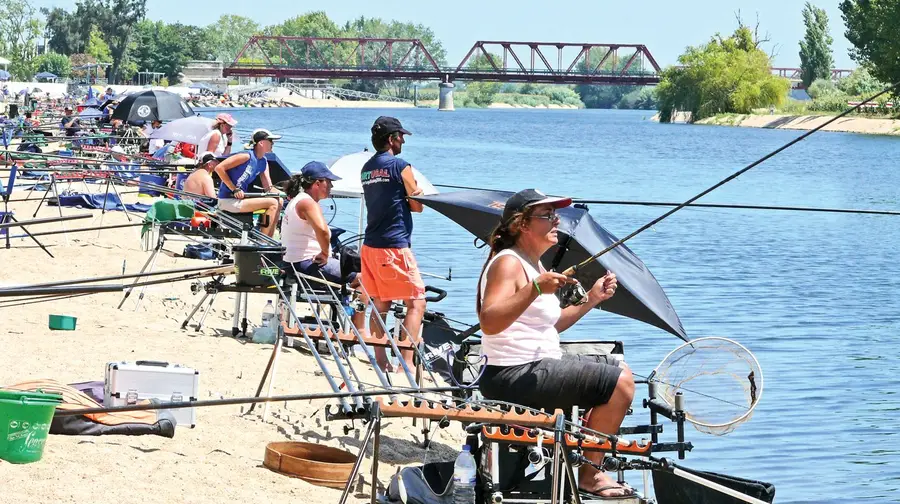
[{"x": 850, "y": 124}]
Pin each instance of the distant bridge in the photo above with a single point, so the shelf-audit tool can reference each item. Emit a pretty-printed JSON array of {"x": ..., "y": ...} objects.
[
  {"x": 794, "y": 75},
  {"x": 498, "y": 61}
]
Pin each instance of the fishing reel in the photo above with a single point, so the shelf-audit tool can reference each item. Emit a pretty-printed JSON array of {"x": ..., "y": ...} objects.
[{"x": 572, "y": 294}]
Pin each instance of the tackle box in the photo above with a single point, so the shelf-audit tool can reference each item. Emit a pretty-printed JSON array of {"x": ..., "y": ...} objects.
[{"x": 127, "y": 383}]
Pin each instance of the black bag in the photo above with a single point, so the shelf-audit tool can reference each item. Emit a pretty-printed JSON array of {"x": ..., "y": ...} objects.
[{"x": 429, "y": 484}]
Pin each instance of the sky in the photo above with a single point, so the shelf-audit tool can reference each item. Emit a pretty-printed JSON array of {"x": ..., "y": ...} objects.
[{"x": 666, "y": 27}]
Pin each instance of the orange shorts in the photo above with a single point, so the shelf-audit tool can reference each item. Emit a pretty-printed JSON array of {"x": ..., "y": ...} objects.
[{"x": 391, "y": 274}]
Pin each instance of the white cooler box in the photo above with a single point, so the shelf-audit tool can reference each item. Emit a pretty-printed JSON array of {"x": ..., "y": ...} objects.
[{"x": 126, "y": 383}]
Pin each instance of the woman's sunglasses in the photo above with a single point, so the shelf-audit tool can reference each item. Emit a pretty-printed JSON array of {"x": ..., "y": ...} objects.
[{"x": 550, "y": 217}]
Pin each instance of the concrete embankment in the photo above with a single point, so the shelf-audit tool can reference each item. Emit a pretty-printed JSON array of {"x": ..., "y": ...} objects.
[{"x": 851, "y": 124}]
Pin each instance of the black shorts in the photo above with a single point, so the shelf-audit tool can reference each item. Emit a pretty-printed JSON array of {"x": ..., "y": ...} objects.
[{"x": 581, "y": 380}]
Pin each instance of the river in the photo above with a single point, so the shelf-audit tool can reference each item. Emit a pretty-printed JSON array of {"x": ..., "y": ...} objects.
[{"x": 813, "y": 296}]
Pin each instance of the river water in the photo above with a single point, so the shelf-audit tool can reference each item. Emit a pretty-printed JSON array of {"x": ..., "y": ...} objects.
[{"x": 813, "y": 296}]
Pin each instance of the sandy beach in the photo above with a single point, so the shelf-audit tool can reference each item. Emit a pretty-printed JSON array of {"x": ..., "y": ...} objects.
[{"x": 218, "y": 461}]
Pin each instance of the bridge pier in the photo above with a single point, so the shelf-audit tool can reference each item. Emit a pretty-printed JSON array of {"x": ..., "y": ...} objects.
[{"x": 445, "y": 99}]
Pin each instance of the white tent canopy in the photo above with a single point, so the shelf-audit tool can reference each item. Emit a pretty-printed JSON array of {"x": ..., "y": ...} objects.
[
  {"x": 4, "y": 61},
  {"x": 349, "y": 168}
]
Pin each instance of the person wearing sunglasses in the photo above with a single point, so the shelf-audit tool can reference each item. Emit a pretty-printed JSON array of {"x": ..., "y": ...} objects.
[
  {"x": 304, "y": 230},
  {"x": 239, "y": 170},
  {"x": 521, "y": 320}
]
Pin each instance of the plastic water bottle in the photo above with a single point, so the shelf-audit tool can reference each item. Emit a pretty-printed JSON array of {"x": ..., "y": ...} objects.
[
  {"x": 464, "y": 477},
  {"x": 268, "y": 315},
  {"x": 266, "y": 332}
]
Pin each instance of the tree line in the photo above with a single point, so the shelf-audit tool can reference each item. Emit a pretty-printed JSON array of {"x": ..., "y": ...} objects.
[{"x": 731, "y": 74}]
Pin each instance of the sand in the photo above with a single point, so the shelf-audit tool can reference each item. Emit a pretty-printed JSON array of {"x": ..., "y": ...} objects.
[{"x": 218, "y": 461}]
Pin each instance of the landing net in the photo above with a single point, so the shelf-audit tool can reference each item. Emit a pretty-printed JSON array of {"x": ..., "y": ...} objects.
[{"x": 720, "y": 379}]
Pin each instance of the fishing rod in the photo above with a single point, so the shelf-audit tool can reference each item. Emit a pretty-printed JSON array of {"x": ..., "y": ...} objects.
[
  {"x": 45, "y": 220},
  {"x": 246, "y": 400},
  {"x": 195, "y": 269},
  {"x": 81, "y": 230},
  {"x": 701, "y": 205},
  {"x": 43, "y": 291},
  {"x": 741, "y": 207},
  {"x": 572, "y": 270}
]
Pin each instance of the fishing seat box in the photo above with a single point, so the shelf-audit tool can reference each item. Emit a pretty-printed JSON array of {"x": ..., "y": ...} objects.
[{"x": 127, "y": 383}]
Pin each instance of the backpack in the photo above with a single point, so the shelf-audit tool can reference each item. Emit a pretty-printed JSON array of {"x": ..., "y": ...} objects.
[{"x": 428, "y": 484}]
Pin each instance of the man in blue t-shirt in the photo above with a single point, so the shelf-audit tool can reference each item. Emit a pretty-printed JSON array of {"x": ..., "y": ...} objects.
[{"x": 389, "y": 269}]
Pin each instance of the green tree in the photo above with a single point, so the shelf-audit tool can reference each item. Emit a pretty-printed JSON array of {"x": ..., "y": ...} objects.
[
  {"x": 378, "y": 28},
  {"x": 116, "y": 20},
  {"x": 229, "y": 34},
  {"x": 861, "y": 83},
  {"x": 816, "y": 59},
  {"x": 54, "y": 63},
  {"x": 20, "y": 29},
  {"x": 873, "y": 30},
  {"x": 724, "y": 75},
  {"x": 97, "y": 47},
  {"x": 66, "y": 33}
]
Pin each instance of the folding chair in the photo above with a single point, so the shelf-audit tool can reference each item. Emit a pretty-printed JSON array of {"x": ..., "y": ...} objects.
[{"x": 7, "y": 216}]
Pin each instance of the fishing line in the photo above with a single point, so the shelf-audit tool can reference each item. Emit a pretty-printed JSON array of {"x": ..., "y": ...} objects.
[{"x": 574, "y": 269}]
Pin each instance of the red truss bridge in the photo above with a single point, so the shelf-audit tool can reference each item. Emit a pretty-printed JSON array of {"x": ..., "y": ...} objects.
[{"x": 498, "y": 61}]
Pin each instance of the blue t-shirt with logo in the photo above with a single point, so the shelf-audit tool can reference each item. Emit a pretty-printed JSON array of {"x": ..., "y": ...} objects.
[
  {"x": 390, "y": 221},
  {"x": 243, "y": 175}
]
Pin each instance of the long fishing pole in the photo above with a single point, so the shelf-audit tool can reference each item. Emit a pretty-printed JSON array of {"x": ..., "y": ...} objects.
[
  {"x": 740, "y": 207},
  {"x": 45, "y": 220},
  {"x": 195, "y": 269},
  {"x": 247, "y": 400},
  {"x": 700, "y": 205},
  {"x": 572, "y": 270}
]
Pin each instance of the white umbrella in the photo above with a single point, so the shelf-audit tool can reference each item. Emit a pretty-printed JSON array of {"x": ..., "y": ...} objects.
[
  {"x": 349, "y": 168},
  {"x": 188, "y": 130}
]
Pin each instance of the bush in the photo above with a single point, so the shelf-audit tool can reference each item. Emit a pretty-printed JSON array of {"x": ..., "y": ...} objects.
[
  {"x": 834, "y": 102},
  {"x": 821, "y": 88},
  {"x": 54, "y": 63},
  {"x": 860, "y": 83}
]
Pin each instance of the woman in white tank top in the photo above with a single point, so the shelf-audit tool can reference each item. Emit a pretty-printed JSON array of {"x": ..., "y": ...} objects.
[
  {"x": 304, "y": 231},
  {"x": 521, "y": 320}
]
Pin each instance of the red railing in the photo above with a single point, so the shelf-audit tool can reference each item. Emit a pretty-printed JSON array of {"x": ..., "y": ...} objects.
[{"x": 500, "y": 61}]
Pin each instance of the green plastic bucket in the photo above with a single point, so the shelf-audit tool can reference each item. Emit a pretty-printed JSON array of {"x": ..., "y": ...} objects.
[{"x": 24, "y": 424}]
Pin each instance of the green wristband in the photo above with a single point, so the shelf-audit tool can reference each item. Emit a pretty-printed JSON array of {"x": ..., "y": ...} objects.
[{"x": 536, "y": 287}]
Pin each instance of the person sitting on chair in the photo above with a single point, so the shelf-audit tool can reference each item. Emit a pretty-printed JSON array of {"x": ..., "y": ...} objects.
[
  {"x": 200, "y": 181},
  {"x": 304, "y": 231},
  {"x": 239, "y": 170},
  {"x": 521, "y": 320}
]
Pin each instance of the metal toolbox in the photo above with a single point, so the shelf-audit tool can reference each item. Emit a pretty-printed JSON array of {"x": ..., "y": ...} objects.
[{"x": 127, "y": 383}]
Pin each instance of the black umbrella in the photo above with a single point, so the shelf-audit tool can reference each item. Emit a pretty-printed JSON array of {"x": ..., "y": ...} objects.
[
  {"x": 152, "y": 105},
  {"x": 580, "y": 236}
]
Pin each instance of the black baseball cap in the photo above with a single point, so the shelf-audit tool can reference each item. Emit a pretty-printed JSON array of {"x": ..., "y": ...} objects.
[
  {"x": 530, "y": 197},
  {"x": 385, "y": 125},
  {"x": 206, "y": 157},
  {"x": 260, "y": 135}
]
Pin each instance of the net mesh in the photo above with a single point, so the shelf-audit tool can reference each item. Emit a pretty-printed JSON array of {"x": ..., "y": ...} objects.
[{"x": 720, "y": 380}]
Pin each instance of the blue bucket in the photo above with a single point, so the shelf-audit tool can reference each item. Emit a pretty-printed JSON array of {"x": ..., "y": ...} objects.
[{"x": 145, "y": 190}]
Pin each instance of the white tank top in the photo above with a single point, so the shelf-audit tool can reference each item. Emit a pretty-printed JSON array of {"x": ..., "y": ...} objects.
[
  {"x": 203, "y": 146},
  {"x": 532, "y": 336},
  {"x": 297, "y": 236}
]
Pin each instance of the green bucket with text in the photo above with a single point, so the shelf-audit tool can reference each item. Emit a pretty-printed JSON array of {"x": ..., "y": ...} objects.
[{"x": 24, "y": 424}]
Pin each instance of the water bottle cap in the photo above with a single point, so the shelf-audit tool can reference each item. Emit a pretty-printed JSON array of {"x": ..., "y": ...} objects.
[{"x": 467, "y": 448}]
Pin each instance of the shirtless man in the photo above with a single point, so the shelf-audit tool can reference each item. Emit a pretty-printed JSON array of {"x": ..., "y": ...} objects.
[{"x": 201, "y": 181}]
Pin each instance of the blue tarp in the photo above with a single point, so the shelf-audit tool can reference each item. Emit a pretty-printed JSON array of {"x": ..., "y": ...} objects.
[{"x": 96, "y": 202}]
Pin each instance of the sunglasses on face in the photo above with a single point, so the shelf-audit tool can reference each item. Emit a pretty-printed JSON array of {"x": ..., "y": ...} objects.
[{"x": 550, "y": 217}]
